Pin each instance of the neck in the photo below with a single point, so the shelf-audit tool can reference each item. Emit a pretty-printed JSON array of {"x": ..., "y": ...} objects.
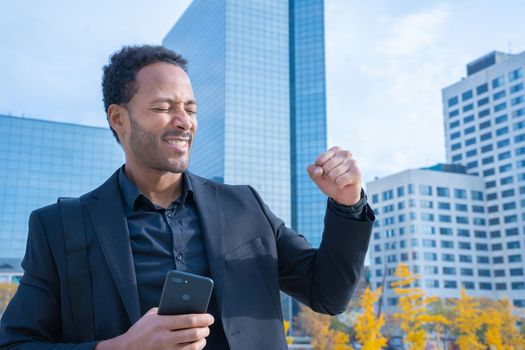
[{"x": 161, "y": 187}]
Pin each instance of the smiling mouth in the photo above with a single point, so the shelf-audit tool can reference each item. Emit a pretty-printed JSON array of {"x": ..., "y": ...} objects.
[{"x": 177, "y": 142}]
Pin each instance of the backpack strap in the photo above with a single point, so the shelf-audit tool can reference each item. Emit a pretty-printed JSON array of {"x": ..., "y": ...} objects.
[{"x": 78, "y": 276}]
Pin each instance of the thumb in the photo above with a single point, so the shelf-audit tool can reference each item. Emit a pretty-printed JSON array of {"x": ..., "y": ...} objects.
[{"x": 314, "y": 171}]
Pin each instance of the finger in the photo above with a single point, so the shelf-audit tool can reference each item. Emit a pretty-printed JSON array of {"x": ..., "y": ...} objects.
[
  {"x": 198, "y": 345},
  {"x": 336, "y": 160},
  {"x": 342, "y": 168},
  {"x": 314, "y": 171},
  {"x": 349, "y": 178},
  {"x": 326, "y": 156},
  {"x": 189, "y": 335},
  {"x": 153, "y": 311},
  {"x": 187, "y": 321}
]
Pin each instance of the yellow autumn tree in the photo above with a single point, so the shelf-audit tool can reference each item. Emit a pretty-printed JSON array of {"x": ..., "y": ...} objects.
[
  {"x": 413, "y": 314},
  {"x": 289, "y": 339},
  {"x": 502, "y": 332},
  {"x": 7, "y": 291},
  {"x": 318, "y": 327},
  {"x": 468, "y": 322},
  {"x": 368, "y": 325}
]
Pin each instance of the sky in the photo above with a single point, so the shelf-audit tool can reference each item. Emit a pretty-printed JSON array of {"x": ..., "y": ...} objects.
[{"x": 386, "y": 62}]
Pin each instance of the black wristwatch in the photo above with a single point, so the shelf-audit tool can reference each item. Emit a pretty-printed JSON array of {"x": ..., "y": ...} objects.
[{"x": 352, "y": 209}]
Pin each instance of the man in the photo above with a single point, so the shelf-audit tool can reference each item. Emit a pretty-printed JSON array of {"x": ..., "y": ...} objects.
[{"x": 153, "y": 216}]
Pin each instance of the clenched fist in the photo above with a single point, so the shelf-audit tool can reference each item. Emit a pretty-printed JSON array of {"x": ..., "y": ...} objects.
[{"x": 336, "y": 174}]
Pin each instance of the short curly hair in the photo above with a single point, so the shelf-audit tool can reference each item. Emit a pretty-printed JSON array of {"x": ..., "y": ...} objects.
[{"x": 118, "y": 79}]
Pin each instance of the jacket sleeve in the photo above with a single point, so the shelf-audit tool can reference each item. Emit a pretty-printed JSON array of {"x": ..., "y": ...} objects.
[
  {"x": 32, "y": 319},
  {"x": 325, "y": 278}
]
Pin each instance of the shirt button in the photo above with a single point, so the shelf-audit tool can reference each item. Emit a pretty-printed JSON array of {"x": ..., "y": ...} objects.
[
  {"x": 179, "y": 257},
  {"x": 170, "y": 214}
]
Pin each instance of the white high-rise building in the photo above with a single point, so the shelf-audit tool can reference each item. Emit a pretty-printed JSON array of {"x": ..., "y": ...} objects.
[
  {"x": 434, "y": 221},
  {"x": 485, "y": 131}
]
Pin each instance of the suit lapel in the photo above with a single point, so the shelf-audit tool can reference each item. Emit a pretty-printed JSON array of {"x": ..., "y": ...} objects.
[
  {"x": 212, "y": 222},
  {"x": 109, "y": 220}
]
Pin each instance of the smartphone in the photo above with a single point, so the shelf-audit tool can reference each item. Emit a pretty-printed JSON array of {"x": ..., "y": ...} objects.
[{"x": 185, "y": 293}]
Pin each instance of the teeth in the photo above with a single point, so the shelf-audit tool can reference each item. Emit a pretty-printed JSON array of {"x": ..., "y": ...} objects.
[{"x": 179, "y": 143}]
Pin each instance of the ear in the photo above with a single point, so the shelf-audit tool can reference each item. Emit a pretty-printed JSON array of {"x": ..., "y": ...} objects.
[{"x": 117, "y": 118}]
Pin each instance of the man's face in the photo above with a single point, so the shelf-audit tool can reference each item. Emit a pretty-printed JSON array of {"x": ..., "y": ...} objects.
[{"x": 162, "y": 119}]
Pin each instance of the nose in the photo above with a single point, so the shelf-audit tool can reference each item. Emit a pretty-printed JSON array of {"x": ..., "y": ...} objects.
[{"x": 181, "y": 119}]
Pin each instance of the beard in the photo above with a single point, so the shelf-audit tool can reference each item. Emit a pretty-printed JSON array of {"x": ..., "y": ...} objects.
[{"x": 148, "y": 149}]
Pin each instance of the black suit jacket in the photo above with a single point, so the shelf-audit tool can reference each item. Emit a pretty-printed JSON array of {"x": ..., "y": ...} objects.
[{"x": 252, "y": 255}]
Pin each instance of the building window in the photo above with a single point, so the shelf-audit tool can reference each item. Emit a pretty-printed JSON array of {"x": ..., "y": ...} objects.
[
  {"x": 500, "y": 107},
  {"x": 467, "y": 95},
  {"x": 471, "y": 141},
  {"x": 497, "y": 259},
  {"x": 484, "y": 113},
  {"x": 432, "y": 283},
  {"x": 499, "y": 273},
  {"x": 471, "y": 153},
  {"x": 447, "y": 244},
  {"x": 466, "y": 272},
  {"x": 516, "y": 272},
  {"x": 489, "y": 172},
  {"x": 484, "y": 125},
  {"x": 515, "y": 258},
  {"x": 386, "y": 195},
  {"x": 453, "y": 113},
  {"x": 443, "y": 205},
  {"x": 448, "y": 257},
  {"x": 516, "y": 100},
  {"x": 515, "y": 74},
  {"x": 484, "y": 273},
  {"x": 497, "y": 82},
  {"x": 429, "y": 256},
  {"x": 464, "y": 245},
  {"x": 513, "y": 245},
  {"x": 501, "y": 286},
  {"x": 516, "y": 88},
  {"x": 483, "y": 101},
  {"x": 468, "y": 107},
  {"x": 449, "y": 270},
  {"x": 450, "y": 284},
  {"x": 483, "y": 88},
  {"x": 462, "y": 219},
  {"x": 453, "y": 101},
  {"x": 503, "y": 143},
  {"x": 482, "y": 247},
  {"x": 518, "y": 302},
  {"x": 445, "y": 231},
  {"x": 483, "y": 260},
  {"x": 499, "y": 95},
  {"x": 502, "y": 131},
  {"x": 478, "y": 209},
  {"x": 463, "y": 232},
  {"x": 501, "y": 119},
  {"x": 465, "y": 258},
  {"x": 518, "y": 286},
  {"x": 511, "y": 231},
  {"x": 468, "y": 285},
  {"x": 480, "y": 234},
  {"x": 485, "y": 286}
]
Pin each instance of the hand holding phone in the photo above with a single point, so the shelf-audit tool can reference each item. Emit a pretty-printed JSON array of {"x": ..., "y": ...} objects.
[{"x": 185, "y": 293}]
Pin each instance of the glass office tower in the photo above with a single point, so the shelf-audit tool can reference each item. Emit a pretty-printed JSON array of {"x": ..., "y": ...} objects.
[
  {"x": 257, "y": 70},
  {"x": 43, "y": 160}
]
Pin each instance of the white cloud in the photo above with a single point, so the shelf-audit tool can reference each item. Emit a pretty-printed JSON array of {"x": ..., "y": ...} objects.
[{"x": 409, "y": 34}]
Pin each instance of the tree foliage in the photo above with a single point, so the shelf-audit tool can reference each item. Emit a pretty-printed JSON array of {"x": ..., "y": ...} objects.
[{"x": 368, "y": 325}]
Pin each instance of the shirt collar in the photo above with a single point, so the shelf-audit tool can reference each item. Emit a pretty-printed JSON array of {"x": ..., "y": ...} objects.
[{"x": 131, "y": 194}]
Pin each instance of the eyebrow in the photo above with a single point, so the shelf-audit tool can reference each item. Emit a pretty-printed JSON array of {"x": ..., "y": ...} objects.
[{"x": 172, "y": 101}]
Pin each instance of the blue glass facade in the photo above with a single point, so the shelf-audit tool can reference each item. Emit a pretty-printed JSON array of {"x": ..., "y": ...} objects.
[
  {"x": 308, "y": 113},
  {"x": 257, "y": 70},
  {"x": 43, "y": 160}
]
